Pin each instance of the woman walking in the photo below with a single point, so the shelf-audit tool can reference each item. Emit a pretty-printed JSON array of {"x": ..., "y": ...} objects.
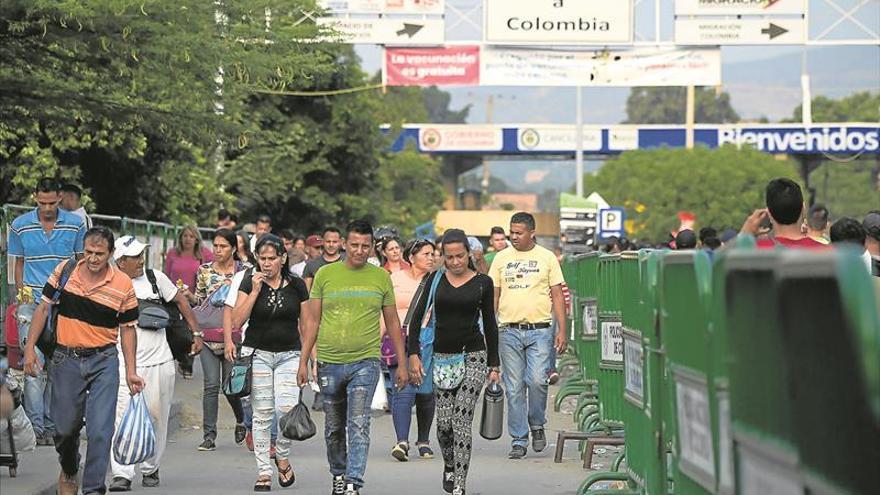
[
  {"x": 461, "y": 297},
  {"x": 419, "y": 255},
  {"x": 271, "y": 300},
  {"x": 211, "y": 278},
  {"x": 391, "y": 255},
  {"x": 182, "y": 263}
]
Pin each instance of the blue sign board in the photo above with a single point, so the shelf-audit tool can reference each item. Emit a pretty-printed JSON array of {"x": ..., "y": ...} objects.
[{"x": 794, "y": 139}]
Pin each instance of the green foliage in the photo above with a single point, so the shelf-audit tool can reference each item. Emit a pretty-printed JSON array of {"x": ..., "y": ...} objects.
[
  {"x": 722, "y": 186},
  {"x": 848, "y": 188},
  {"x": 124, "y": 97},
  {"x": 437, "y": 103},
  {"x": 667, "y": 105},
  {"x": 408, "y": 191},
  {"x": 858, "y": 107}
]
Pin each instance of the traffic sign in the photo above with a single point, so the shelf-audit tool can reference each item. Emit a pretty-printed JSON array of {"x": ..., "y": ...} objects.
[
  {"x": 568, "y": 22},
  {"x": 742, "y": 7},
  {"x": 388, "y": 31},
  {"x": 744, "y": 31},
  {"x": 385, "y": 6},
  {"x": 611, "y": 221}
]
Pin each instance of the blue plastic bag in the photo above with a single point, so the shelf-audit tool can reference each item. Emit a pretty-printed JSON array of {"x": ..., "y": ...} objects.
[{"x": 135, "y": 439}]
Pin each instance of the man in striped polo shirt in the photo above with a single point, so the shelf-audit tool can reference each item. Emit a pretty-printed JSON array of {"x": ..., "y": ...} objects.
[
  {"x": 39, "y": 240},
  {"x": 96, "y": 307}
]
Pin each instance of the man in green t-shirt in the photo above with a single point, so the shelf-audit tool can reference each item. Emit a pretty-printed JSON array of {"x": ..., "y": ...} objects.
[
  {"x": 347, "y": 299},
  {"x": 497, "y": 242}
]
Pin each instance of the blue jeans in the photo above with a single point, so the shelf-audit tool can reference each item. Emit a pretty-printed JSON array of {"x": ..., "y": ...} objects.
[
  {"x": 273, "y": 393},
  {"x": 402, "y": 402},
  {"x": 37, "y": 389},
  {"x": 348, "y": 391},
  {"x": 85, "y": 386},
  {"x": 524, "y": 357}
]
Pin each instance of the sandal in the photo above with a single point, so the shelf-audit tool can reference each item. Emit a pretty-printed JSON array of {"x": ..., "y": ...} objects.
[
  {"x": 283, "y": 474},
  {"x": 263, "y": 484}
]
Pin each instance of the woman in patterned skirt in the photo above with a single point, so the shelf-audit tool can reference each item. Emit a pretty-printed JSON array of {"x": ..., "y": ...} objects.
[{"x": 462, "y": 296}]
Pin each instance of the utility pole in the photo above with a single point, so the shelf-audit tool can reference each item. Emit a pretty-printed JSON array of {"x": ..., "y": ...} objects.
[
  {"x": 689, "y": 117},
  {"x": 579, "y": 143},
  {"x": 490, "y": 108}
]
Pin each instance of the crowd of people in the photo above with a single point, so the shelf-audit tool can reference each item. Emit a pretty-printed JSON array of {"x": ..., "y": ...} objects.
[{"x": 343, "y": 310}]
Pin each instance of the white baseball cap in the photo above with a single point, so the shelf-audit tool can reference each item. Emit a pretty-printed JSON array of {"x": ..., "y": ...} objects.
[{"x": 128, "y": 245}]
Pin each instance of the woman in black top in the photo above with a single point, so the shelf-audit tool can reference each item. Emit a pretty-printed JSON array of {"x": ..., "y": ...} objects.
[
  {"x": 463, "y": 295},
  {"x": 272, "y": 300}
]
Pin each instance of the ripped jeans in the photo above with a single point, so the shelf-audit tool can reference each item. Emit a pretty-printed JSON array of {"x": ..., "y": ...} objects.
[
  {"x": 273, "y": 392},
  {"x": 348, "y": 391}
]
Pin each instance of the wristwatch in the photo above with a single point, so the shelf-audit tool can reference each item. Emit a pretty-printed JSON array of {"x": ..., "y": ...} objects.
[{"x": 199, "y": 334}]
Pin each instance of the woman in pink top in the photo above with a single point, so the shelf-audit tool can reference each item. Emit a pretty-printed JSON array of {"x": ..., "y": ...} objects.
[
  {"x": 391, "y": 255},
  {"x": 419, "y": 262},
  {"x": 182, "y": 262}
]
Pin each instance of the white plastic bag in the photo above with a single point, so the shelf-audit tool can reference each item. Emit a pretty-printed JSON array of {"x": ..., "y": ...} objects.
[
  {"x": 380, "y": 397},
  {"x": 135, "y": 439},
  {"x": 22, "y": 432}
]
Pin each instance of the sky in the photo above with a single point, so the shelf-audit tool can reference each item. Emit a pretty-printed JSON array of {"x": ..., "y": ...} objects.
[{"x": 764, "y": 81}]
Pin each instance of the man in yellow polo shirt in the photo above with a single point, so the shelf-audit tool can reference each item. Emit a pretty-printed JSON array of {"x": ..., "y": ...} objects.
[{"x": 528, "y": 294}]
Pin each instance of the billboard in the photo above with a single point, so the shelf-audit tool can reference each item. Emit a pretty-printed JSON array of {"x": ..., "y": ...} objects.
[{"x": 441, "y": 66}]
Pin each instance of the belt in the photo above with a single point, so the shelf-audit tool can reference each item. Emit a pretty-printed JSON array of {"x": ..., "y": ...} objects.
[
  {"x": 82, "y": 351},
  {"x": 527, "y": 326}
]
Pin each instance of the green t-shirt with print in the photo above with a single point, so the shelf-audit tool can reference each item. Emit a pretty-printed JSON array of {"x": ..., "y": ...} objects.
[{"x": 351, "y": 305}]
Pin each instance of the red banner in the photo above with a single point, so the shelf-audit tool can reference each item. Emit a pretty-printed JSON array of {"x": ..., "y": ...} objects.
[{"x": 442, "y": 66}]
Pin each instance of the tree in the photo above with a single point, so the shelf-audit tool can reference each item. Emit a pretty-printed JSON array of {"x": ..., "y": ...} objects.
[
  {"x": 666, "y": 105},
  {"x": 720, "y": 186},
  {"x": 437, "y": 103},
  {"x": 859, "y": 107},
  {"x": 848, "y": 187},
  {"x": 111, "y": 86}
]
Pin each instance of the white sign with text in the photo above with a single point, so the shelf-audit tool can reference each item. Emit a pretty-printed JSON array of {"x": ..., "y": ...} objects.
[{"x": 592, "y": 22}]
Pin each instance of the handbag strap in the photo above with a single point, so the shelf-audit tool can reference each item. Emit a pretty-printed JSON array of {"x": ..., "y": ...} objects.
[
  {"x": 69, "y": 265},
  {"x": 432, "y": 295},
  {"x": 418, "y": 295}
]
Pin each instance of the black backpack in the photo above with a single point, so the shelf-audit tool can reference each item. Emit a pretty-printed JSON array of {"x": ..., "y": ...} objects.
[{"x": 177, "y": 334}]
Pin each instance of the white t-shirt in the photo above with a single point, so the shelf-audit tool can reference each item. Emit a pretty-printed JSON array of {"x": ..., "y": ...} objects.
[
  {"x": 232, "y": 298},
  {"x": 152, "y": 347}
]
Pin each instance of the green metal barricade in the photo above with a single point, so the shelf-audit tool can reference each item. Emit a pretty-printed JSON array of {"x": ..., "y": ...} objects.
[
  {"x": 719, "y": 386},
  {"x": 765, "y": 453},
  {"x": 831, "y": 330},
  {"x": 685, "y": 300},
  {"x": 610, "y": 364},
  {"x": 591, "y": 276},
  {"x": 645, "y": 454},
  {"x": 578, "y": 384},
  {"x": 569, "y": 274}
]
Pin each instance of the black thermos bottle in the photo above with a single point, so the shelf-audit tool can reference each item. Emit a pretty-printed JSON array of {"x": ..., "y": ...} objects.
[{"x": 492, "y": 420}]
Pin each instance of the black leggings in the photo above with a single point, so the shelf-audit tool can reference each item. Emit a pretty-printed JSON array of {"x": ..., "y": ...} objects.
[{"x": 455, "y": 416}]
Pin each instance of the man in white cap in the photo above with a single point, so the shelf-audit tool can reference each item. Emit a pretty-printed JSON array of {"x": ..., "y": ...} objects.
[{"x": 155, "y": 363}]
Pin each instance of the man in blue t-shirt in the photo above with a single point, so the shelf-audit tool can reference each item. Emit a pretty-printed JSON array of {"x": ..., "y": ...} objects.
[{"x": 39, "y": 240}]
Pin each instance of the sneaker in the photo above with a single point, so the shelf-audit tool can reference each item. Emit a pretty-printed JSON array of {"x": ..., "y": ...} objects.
[
  {"x": 553, "y": 379},
  {"x": 517, "y": 452},
  {"x": 151, "y": 480},
  {"x": 425, "y": 451},
  {"x": 207, "y": 445},
  {"x": 539, "y": 440},
  {"x": 338, "y": 485},
  {"x": 119, "y": 484},
  {"x": 249, "y": 440},
  {"x": 400, "y": 451},
  {"x": 448, "y": 479},
  {"x": 240, "y": 433},
  {"x": 350, "y": 489},
  {"x": 67, "y": 484}
]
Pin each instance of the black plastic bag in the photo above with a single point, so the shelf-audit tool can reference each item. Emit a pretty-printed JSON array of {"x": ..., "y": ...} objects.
[{"x": 297, "y": 423}]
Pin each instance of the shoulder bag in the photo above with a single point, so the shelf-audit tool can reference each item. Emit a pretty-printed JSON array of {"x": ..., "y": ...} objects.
[
  {"x": 152, "y": 313},
  {"x": 49, "y": 337},
  {"x": 449, "y": 369},
  {"x": 426, "y": 338}
]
